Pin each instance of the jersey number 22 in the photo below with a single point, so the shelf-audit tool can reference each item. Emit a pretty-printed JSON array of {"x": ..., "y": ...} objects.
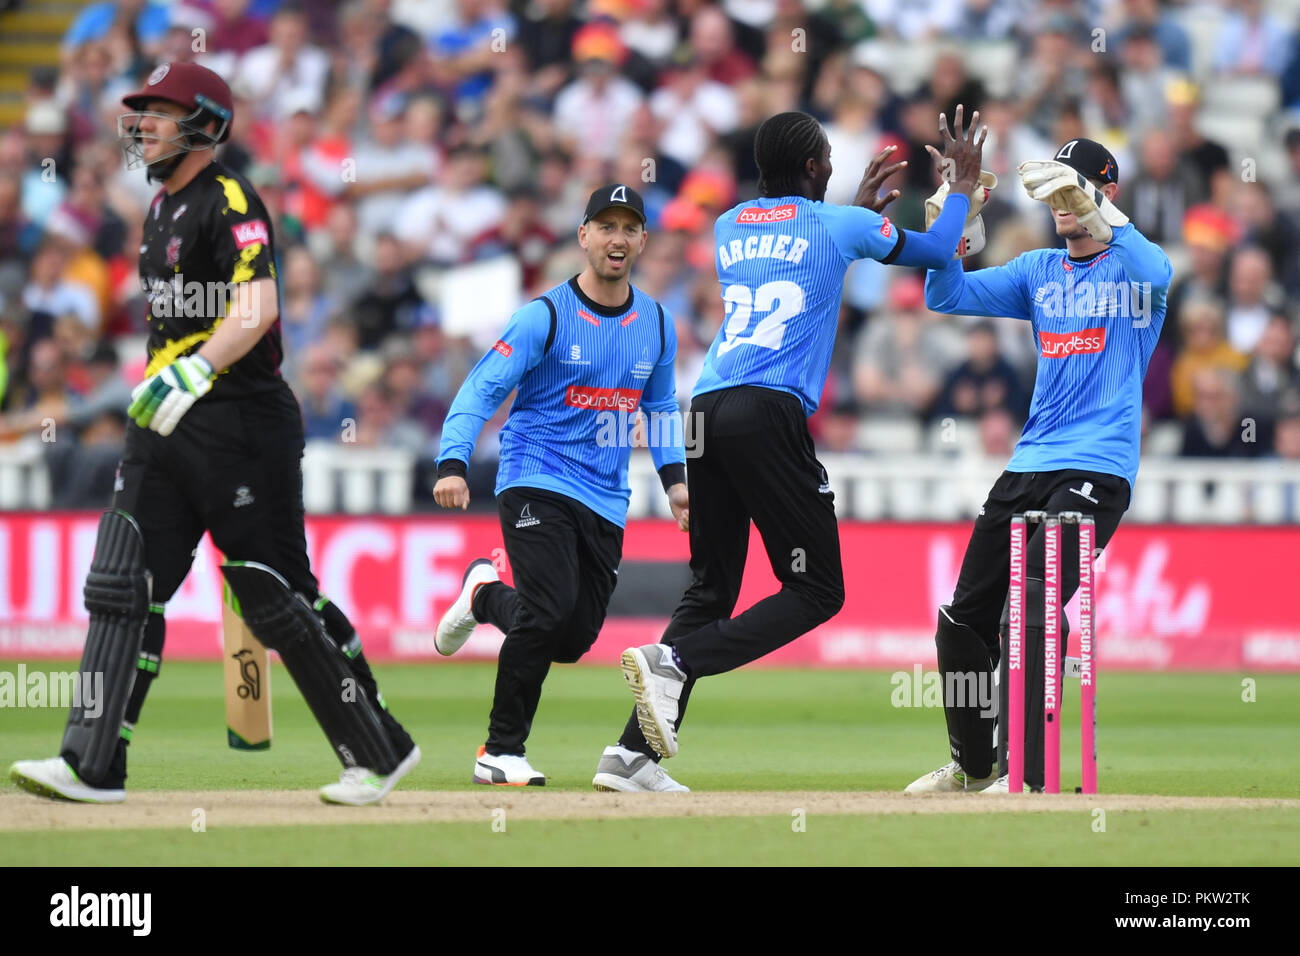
[{"x": 780, "y": 300}]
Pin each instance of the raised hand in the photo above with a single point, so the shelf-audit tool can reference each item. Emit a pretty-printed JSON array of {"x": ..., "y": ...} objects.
[
  {"x": 959, "y": 163},
  {"x": 868, "y": 195}
]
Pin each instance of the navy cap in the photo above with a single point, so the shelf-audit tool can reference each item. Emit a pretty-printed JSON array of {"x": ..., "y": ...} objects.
[
  {"x": 1090, "y": 158},
  {"x": 615, "y": 194}
]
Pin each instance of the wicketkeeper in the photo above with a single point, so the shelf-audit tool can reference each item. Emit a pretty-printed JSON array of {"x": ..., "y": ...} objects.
[
  {"x": 215, "y": 444},
  {"x": 1095, "y": 311}
]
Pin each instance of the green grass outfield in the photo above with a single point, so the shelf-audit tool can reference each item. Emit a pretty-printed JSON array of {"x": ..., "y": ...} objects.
[{"x": 758, "y": 730}]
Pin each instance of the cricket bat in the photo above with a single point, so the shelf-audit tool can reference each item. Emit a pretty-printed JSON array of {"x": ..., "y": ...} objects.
[{"x": 248, "y": 680}]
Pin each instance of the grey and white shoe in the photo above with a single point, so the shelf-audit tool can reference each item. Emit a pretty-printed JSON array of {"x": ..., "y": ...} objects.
[
  {"x": 951, "y": 779},
  {"x": 359, "y": 786},
  {"x": 458, "y": 622},
  {"x": 626, "y": 771},
  {"x": 53, "y": 777},
  {"x": 506, "y": 770},
  {"x": 657, "y": 684}
]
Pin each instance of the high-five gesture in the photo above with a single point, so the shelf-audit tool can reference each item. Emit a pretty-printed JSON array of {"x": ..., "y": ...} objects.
[
  {"x": 868, "y": 195},
  {"x": 959, "y": 163}
]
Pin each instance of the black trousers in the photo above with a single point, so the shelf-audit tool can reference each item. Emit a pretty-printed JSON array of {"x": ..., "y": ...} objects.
[
  {"x": 981, "y": 593},
  {"x": 565, "y": 561},
  {"x": 758, "y": 463},
  {"x": 232, "y": 468}
]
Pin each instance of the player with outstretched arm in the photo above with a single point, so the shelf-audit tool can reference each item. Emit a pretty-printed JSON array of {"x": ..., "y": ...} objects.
[
  {"x": 781, "y": 260},
  {"x": 584, "y": 357},
  {"x": 214, "y": 444},
  {"x": 1095, "y": 310}
]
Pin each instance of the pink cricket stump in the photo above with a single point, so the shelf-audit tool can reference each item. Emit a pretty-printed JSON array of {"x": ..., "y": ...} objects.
[
  {"x": 1051, "y": 655},
  {"x": 1087, "y": 655},
  {"x": 1015, "y": 726}
]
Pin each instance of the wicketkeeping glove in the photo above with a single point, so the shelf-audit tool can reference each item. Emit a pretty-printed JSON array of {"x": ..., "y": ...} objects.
[
  {"x": 972, "y": 237},
  {"x": 1068, "y": 190},
  {"x": 161, "y": 400}
]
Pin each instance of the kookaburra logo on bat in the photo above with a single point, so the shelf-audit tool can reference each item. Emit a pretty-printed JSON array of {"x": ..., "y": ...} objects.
[{"x": 250, "y": 675}]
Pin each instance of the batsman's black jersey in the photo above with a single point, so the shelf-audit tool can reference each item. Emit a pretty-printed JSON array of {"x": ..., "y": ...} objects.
[{"x": 200, "y": 244}]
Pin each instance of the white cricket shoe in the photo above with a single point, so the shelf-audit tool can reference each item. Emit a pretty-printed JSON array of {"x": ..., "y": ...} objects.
[
  {"x": 459, "y": 622},
  {"x": 506, "y": 770},
  {"x": 53, "y": 778},
  {"x": 626, "y": 771},
  {"x": 949, "y": 778},
  {"x": 999, "y": 785},
  {"x": 657, "y": 683},
  {"x": 359, "y": 786}
]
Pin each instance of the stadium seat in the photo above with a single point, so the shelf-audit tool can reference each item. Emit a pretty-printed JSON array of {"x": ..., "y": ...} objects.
[
  {"x": 994, "y": 63},
  {"x": 889, "y": 434},
  {"x": 1241, "y": 96}
]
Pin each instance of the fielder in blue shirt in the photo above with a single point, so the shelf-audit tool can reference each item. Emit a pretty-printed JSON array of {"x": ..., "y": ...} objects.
[
  {"x": 583, "y": 359},
  {"x": 1095, "y": 310},
  {"x": 781, "y": 260}
]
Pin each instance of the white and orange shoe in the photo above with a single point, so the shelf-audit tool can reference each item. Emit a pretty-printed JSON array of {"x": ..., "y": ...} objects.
[
  {"x": 506, "y": 770},
  {"x": 459, "y": 622}
]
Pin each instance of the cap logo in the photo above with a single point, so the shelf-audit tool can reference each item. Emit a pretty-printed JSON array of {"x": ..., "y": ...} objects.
[
  {"x": 1106, "y": 172},
  {"x": 619, "y": 194},
  {"x": 157, "y": 75},
  {"x": 1067, "y": 149}
]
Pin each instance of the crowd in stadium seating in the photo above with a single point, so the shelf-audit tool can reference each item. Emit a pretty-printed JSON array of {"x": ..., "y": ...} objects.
[{"x": 396, "y": 141}]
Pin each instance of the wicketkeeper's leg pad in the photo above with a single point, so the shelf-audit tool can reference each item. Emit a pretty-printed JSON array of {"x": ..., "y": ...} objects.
[{"x": 969, "y": 699}]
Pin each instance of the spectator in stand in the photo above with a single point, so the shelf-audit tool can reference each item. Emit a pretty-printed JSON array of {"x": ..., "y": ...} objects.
[
  {"x": 304, "y": 307},
  {"x": 440, "y": 222},
  {"x": 651, "y": 30},
  {"x": 234, "y": 29},
  {"x": 1162, "y": 189},
  {"x": 984, "y": 381},
  {"x": 1251, "y": 42},
  {"x": 344, "y": 276},
  {"x": 317, "y": 172},
  {"x": 1208, "y": 234},
  {"x": 45, "y": 397},
  {"x": 520, "y": 233},
  {"x": 900, "y": 358},
  {"x": 1253, "y": 296},
  {"x": 380, "y": 424},
  {"x": 1144, "y": 80},
  {"x": 404, "y": 376},
  {"x": 143, "y": 24},
  {"x": 18, "y": 234},
  {"x": 48, "y": 295},
  {"x": 692, "y": 110},
  {"x": 1052, "y": 77},
  {"x": 1215, "y": 428},
  {"x": 1201, "y": 159},
  {"x": 325, "y": 409},
  {"x": 1204, "y": 347},
  {"x": 592, "y": 112},
  {"x": 1104, "y": 110},
  {"x": 951, "y": 85},
  {"x": 547, "y": 37},
  {"x": 1272, "y": 372},
  {"x": 1274, "y": 232},
  {"x": 288, "y": 64},
  {"x": 389, "y": 167},
  {"x": 998, "y": 434},
  {"x": 713, "y": 41},
  {"x": 47, "y": 153},
  {"x": 1147, "y": 15},
  {"x": 1286, "y": 435},
  {"x": 914, "y": 19},
  {"x": 390, "y": 301},
  {"x": 465, "y": 56}
]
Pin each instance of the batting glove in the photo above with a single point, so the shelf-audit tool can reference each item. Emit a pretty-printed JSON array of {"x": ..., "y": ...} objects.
[
  {"x": 1067, "y": 190},
  {"x": 972, "y": 237},
  {"x": 160, "y": 401}
]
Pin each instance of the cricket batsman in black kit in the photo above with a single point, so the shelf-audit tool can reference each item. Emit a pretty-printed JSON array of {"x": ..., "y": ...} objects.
[
  {"x": 1095, "y": 310},
  {"x": 583, "y": 359},
  {"x": 781, "y": 260},
  {"x": 215, "y": 444}
]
